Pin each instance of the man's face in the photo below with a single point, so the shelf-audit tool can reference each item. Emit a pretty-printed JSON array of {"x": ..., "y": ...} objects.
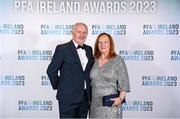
[{"x": 80, "y": 34}]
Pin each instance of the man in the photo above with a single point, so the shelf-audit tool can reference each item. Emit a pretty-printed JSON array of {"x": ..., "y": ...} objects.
[{"x": 73, "y": 60}]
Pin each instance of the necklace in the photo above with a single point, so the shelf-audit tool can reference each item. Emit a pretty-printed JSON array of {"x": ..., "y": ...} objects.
[
  {"x": 102, "y": 62},
  {"x": 102, "y": 59}
]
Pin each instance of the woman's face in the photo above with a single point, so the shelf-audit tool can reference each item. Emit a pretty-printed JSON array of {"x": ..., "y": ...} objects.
[{"x": 104, "y": 44}]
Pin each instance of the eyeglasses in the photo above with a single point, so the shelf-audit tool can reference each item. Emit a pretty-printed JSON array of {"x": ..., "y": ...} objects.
[{"x": 104, "y": 42}]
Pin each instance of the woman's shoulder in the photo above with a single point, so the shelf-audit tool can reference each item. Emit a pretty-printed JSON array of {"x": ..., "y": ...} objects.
[{"x": 118, "y": 58}]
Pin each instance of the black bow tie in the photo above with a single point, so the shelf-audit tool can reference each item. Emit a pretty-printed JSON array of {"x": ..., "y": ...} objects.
[{"x": 79, "y": 46}]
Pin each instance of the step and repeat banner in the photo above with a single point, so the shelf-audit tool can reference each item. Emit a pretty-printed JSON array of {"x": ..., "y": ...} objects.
[{"x": 145, "y": 32}]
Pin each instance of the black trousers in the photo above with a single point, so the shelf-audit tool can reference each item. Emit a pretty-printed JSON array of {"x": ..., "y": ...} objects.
[{"x": 78, "y": 110}]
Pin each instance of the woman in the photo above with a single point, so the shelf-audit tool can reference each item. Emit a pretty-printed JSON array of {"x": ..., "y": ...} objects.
[{"x": 107, "y": 69}]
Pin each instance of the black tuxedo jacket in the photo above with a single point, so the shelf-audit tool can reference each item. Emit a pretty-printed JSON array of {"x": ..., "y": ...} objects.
[{"x": 66, "y": 74}]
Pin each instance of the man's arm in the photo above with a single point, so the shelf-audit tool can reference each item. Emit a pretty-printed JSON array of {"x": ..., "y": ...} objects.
[{"x": 54, "y": 66}]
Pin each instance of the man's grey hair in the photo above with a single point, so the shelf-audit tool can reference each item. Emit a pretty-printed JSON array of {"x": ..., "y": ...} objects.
[{"x": 78, "y": 23}]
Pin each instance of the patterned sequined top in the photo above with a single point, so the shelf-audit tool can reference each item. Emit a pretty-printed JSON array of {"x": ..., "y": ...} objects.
[{"x": 103, "y": 81}]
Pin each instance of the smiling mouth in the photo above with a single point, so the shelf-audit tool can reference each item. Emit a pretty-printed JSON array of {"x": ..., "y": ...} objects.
[{"x": 81, "y": 38}]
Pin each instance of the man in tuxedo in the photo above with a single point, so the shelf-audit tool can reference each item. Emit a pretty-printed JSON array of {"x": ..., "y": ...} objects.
[{"x": 69, "y": 74}]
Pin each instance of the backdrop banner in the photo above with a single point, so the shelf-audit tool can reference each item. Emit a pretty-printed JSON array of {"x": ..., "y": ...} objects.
[{"x": 145, "y": 32}]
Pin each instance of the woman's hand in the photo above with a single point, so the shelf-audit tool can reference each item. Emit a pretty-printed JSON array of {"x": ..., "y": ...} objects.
[{"x": 117, "y": 102}]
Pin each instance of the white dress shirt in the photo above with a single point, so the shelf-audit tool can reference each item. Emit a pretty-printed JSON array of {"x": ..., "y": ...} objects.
[{"x": 83, "y": 58}]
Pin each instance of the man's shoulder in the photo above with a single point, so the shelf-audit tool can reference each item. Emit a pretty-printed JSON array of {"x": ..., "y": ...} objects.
[
  {"x": 88, "y": 46},
  {"x": 64, "y": 44}
]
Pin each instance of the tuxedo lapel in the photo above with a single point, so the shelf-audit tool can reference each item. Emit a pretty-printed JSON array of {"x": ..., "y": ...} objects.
[
  {"x": 73, "y": 48},
  {"x": 87, "y": 53},
  {"x": 89, "y": 56}
]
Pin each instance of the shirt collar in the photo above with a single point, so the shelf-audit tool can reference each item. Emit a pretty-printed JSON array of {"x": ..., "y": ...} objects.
[{"x": 75, "y": 43}]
